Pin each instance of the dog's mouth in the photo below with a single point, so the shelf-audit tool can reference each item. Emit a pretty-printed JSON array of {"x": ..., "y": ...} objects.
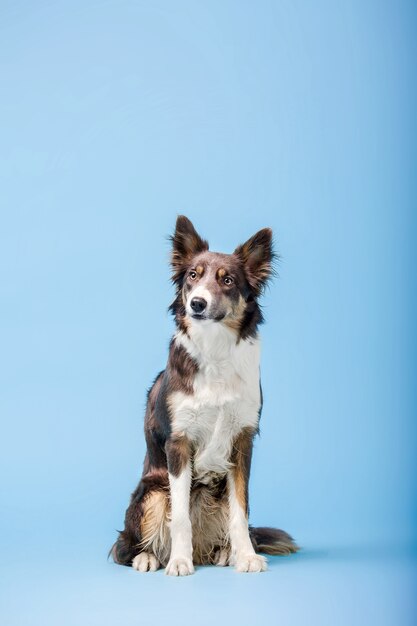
[
  {"x": 198, "y": 316},
  {"x": 212, "y": 318}
]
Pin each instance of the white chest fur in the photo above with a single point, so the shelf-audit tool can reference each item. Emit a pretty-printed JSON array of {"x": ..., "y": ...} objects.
[{"x": 225, "y": 398}]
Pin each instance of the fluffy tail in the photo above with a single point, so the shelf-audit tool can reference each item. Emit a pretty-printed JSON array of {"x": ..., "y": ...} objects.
[
  {"x": 124, "y": 550},
  {"x": 272, "y": 541}
]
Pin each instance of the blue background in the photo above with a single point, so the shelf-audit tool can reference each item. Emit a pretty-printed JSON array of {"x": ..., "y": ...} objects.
[{"x": 117, "y": 116}]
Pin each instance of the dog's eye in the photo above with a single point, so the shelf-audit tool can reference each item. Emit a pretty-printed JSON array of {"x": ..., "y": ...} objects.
[
  {"x": 192, "y": 275},
  {"x": 228, "y": 280}
]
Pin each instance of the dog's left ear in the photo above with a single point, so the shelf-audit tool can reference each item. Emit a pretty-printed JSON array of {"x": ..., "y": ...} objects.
[
  {"x": 186, "y": 242},
  {"x": 257, "y": 256}
]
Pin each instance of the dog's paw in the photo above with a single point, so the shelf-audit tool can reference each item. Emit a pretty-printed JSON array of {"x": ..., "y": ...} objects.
[
  {"x": 251, "y": 563},
  {"x": 179, "y": 567},
  {"x": 221, "y": 557},
  {"x": 145, "y": 562}
]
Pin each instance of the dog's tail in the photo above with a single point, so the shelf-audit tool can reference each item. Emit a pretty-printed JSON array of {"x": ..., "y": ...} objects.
[
  {"x": 272, "y": 541},
  {"x": 124, "y": 550}
]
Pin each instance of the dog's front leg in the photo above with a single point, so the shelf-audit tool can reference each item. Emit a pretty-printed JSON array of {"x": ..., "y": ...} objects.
[
  {"x": 243, "y": 555},
  {"x": 179, "y": 472}
]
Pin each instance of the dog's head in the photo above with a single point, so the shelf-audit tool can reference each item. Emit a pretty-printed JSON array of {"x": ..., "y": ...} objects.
[{"x": 213, "y": 287}]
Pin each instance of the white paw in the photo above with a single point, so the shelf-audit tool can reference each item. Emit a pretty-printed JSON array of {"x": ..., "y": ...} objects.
[
  {"x": 251, "y": 563},
  {"x": 179, "y": 567},
  {"x": 145, "y": 562}
]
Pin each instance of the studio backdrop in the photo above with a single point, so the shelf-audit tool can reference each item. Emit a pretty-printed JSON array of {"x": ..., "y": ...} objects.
[{"x": 115, "y": 118}]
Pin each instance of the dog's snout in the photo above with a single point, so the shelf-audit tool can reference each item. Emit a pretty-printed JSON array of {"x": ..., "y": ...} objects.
[{"x": 198, "y": 305}]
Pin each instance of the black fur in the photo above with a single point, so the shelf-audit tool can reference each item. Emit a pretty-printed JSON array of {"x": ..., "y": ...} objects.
[{"x": 251, "y": 266}]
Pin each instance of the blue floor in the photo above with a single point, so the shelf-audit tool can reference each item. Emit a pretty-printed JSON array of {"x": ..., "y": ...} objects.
[{"x": 351, "y": 586}]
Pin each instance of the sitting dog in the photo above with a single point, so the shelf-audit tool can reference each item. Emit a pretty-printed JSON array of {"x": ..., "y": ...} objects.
[{"x": 203, "y": 410}]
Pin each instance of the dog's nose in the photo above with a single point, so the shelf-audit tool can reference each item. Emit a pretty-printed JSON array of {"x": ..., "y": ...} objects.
[{"x": 198, "y": 305}]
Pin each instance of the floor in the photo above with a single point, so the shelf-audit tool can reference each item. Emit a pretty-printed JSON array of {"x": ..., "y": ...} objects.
[{"x": 317, "y": 586}]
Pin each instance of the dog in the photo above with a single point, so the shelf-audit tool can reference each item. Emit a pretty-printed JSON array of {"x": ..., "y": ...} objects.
[{"x": 191, "y": 504}]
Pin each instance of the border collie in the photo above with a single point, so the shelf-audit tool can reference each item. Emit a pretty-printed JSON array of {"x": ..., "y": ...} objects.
[{"x": 202, "y": 414}]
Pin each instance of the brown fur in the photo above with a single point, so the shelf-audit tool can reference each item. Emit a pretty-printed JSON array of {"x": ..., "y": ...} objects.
[
  {"x": 236, "y": 320},
  {"x": 148, "y": 514},
  {"x": 209, "y": 521},
  {"x": 183, "y": 369},
  {"x": 186, "y": 243},
  {"x": 178, "y": 451},
  {"x": 272, "y": 541},
  {"x": 154, "y": 525},
  {"x": 241, "y": 459},
  {"x": 257, "y": 258}
]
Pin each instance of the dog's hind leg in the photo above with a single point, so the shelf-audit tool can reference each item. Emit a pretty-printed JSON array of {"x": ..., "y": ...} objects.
[
  {"x": 124, "y": 550},
  {"x": 154, "y": 527},
  {"x": 144, "y": 543},
  {"x": 145, "y": 562}
]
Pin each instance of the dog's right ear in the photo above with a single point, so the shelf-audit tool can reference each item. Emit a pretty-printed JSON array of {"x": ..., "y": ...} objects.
[{"x": 186, "y": 242}]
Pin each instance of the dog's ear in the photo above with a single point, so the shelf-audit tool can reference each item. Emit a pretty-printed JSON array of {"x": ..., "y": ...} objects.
[
  {"x": 186, "y": 242},
  {"x": 257, "y": 256}
]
